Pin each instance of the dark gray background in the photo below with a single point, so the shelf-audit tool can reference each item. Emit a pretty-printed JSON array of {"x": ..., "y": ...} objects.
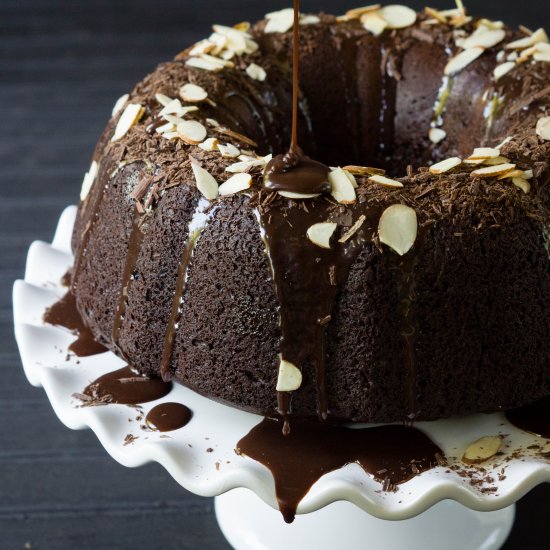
[{"x": 62, "y": 65}]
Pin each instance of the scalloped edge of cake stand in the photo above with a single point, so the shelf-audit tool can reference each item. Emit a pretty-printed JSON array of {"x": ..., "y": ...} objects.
[{"x": 201, "y": 455}]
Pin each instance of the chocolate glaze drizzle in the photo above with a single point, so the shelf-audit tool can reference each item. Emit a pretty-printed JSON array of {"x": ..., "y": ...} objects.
[
  {"x": 307, "y": 278},
  {"x": 391, "y": 454},
  {"x": 534, "y": 418},
  {"x": 203, "y": 213},
  {"x": 168, "y": 417},
  {"x": 126, "y": 387},
  {"x": 64, "y": 313},
  {"x": 406, "y": 291},
  {"x": 87, "y": 231},
  {"x": 134, "y": 247}
]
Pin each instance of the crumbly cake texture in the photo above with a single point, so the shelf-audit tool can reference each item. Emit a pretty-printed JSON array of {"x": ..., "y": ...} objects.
[{"x": 407, "y": 99}]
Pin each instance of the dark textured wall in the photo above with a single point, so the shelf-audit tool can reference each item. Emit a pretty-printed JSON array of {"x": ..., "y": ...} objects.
[{"x": 62, "y": 65}]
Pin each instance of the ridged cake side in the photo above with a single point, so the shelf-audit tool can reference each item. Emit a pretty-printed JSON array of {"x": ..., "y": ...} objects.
[{"x": 476, "y": 293}]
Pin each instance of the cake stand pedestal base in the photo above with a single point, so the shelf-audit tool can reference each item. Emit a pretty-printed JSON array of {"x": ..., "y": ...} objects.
[{"x": 250, "y": 524}]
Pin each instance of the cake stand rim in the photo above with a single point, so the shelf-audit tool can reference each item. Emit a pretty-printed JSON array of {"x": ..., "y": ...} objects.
[{"x": 333, "y": 487}]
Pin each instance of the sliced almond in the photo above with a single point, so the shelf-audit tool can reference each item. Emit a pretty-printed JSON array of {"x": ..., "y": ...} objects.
[
  {"x": 491, "y": 25},
  {"x": 297, "y": 196},
  {"x": 386, "y": 182},
  {"x": 229, "y": 151},
  {"x": 484, "y": 39},
  {"x": 525, "y": 55},
  {"x": 120, "y": 102},
  {"x": 193, "y": 93},
  {"x": 356, "y": 13},
  {"x": 484, "y": 153},
  {"x": 243, "y": 26},
  {"x": 492, "y": 171},
  {"x": 538, "y": 36},
  {"x": 437, "y": 135},
  {"x": 191, "y": 132},
  {"x": 351, "y": 179},
  {"x": 235, "y": 184},
  {"x": 279, "y": 21},
  {"x": 398, "y": 228},
  {"x": 163, "y": 99},
  {"x": 462, "y": 60},
  {"x": 235, "y": 40},
  {"x": 131, "y": 114},
  {"x": 173, "y": 119},
  {"x": 256, "y": 72},
  {"x": 513, "y": 173},
  {"x": 436, "y": 14},
  {"x": 239, "y": 167},
  {"x": 483, "y": 449},
  {"x": 460, "y": 7},
  {"x": 172, "y": 108},
  {"x": 398, "y": 16},
  {"x": 210, "y": 144},
  {"x": 217, "y": 61},
  {"x": 168, "y": 127},
  {"x": 504, "y": 142},
  {"x": 453, "y": 12},
  {"x": 445, "y": 165},
  {"x": 542, "y": 56},
  {"x": 289, "y": 378},
  {"x": 204, "y": 64},
  {"x": 503, "y": 69},
  {"x": 476, "y": 162},
  {"x": 320, "y": 233},
  {"x": 460, "y": 20},
  {"x": 523, "y": 184},
  {"x": 342, "y": 189},
  {"x": 206, "y": 183},
  {"x": 204, "y": 46},
  {"x": 374, "y": 23},
  {"x": 543, "y": 128},
  {"x": 309, "y": 20},
  {"x": 353, "y": 229},
  {"x": 496, "y": 161},
  {"x": 364, "y": 170},
  {"x": 88, "y": 181}
]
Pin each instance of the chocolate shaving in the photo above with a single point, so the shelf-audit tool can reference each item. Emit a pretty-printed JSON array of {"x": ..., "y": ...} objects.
[{"x": 236, "y": 135}]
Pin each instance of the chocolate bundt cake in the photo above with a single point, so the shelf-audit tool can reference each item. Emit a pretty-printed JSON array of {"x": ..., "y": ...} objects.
[{"x": 412, "y": 284}]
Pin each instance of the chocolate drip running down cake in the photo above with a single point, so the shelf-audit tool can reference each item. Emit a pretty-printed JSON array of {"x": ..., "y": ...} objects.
[{"x": 407, "y": 280}]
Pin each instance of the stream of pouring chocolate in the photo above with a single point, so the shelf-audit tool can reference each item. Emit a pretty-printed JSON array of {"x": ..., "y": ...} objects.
[{"x": 306, "y": 278}]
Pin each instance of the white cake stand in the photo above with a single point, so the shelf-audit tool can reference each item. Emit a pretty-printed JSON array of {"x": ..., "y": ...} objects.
[{"x": 440, "y": 509}]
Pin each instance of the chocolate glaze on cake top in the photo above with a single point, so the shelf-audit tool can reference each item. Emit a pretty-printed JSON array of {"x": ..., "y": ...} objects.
[{"x": 451, "y": 326}]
